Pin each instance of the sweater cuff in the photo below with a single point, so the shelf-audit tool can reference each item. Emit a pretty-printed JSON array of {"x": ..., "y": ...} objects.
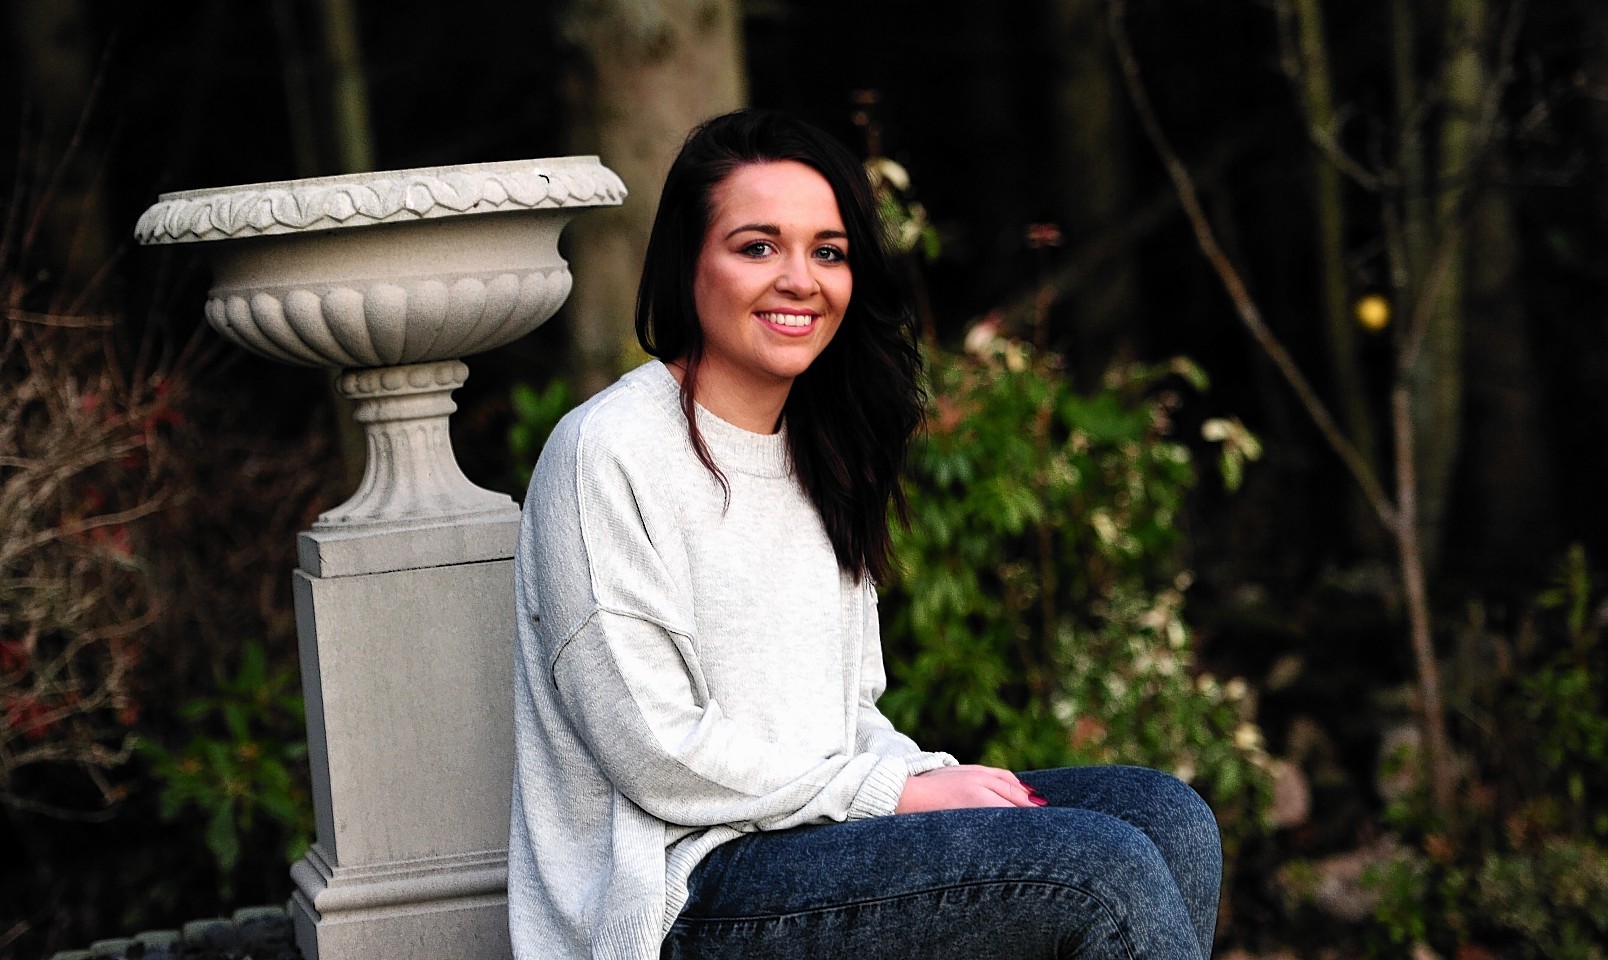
[
  {"x": 922, "y": 762},
  {"x": 880, "y": 792},
  {"x": 637, "y": 934}
]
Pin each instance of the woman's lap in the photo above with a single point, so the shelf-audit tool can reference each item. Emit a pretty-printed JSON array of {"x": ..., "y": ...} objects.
[{"x": 1124, "y": 863}]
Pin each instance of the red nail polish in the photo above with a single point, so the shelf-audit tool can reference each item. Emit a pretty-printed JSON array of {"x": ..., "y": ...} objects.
[{"x": 1038, "y": 801}]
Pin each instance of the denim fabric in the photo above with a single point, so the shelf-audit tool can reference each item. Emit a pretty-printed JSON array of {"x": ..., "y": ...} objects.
[{"x": 1124, "y": 863}]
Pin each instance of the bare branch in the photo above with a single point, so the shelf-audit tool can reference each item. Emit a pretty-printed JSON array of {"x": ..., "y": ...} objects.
[
  {"x": 1244, "y": 305},
  {"x": 1296, "y": 61},
  {"x": 67, "y": 321}
]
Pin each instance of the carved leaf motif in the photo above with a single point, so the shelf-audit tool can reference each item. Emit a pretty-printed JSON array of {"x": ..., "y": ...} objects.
[
  {"x": 286, "y": 208},
  {"x": 377, "y": 201},
  {"x": 183, "y": 219},
  {"x": 339, "y": 206},
  {"x": 494, "y": 191},
  {"x": 419, "y": 199},
  {"x": 297, "y": 206},
  {"x": 457, "y": 192},
  {"x": 220, "y": 213},
  {"x": 527, "y": 190},
  {"x": 259, "y": 210}
]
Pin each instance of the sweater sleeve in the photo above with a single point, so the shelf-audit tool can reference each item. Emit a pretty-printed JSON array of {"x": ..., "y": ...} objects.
[
  {"x": 630, "y": 686},
  {"x": 874, "y": 732}
]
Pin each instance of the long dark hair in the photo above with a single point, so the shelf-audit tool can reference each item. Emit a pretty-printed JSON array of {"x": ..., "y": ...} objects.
[{"x": 850, "y": 416}]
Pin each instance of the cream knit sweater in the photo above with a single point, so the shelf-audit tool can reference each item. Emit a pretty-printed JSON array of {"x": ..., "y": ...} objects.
[{"x": 687, "y": 670}]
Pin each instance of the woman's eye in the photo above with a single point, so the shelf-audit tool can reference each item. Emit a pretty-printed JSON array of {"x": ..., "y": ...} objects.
[
  {"x": 758, "y": 248},
  {"x": 831, "y": 255}
]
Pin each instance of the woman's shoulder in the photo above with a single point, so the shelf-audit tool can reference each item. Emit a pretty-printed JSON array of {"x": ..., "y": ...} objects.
[{"x": 636, "y": 419}]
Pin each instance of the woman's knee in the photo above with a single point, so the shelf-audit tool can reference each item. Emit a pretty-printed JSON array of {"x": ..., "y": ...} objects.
[
  {"x": 1178, "y": 800},
  {"x": 1137, "y": 794}
]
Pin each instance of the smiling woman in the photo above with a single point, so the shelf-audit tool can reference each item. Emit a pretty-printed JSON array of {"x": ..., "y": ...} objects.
[{"x": 702, "y": 769}]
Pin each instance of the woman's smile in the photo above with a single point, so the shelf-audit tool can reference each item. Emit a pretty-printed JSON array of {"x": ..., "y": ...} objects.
[{"x": 792, "y": 323}]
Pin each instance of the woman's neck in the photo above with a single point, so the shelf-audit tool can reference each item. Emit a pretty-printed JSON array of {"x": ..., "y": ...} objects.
[{"x": 755, "y": 407}]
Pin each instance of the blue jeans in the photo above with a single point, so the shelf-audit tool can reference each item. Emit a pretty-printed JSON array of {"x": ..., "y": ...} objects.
[{"x": 1124, "y": 863}]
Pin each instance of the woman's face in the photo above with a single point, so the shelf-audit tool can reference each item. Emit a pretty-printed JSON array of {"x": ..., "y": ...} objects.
[{"x": 772, "y": 279}]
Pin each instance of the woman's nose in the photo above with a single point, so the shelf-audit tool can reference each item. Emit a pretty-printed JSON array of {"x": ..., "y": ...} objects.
[{"x": 797, "y": 277}]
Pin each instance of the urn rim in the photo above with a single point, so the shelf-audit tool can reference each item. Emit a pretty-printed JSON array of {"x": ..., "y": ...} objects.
[{"x": 386, "y": 196}]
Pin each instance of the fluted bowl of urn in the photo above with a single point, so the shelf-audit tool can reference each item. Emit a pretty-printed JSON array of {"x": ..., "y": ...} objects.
[{"x": 390, "y": 277}]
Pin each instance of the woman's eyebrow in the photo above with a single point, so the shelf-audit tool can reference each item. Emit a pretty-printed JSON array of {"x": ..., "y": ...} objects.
[
  {"x": 772, "y": 230},
  {"x": 769, "y": 229}
]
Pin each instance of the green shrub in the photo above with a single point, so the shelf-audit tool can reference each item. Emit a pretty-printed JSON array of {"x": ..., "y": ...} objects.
[
  {"x": 245, "y": 763},
  {"x": 1521, "y": 864},
  {"x": 1553, "y": 900},
  {"x": 1036, "y": 616},
  {"x": 536, "y": 413},
  {"x": 1565, "y": 700}
]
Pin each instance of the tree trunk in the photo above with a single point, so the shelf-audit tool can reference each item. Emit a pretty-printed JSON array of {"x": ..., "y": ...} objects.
[
  {"x": 1092, "y": 190},
  {"x": 1437, "y": 372},
  {"x": 1437, "y": 765},
  {"x": 56, "y": 57},
  {"x": 1506, "y": 465},
  {"x": 649, "y": 74},
  {"x": 348, "y": 88},
  {"x": 1410, "y": 238},
  {"x": 1315, "y": 88},
  {"x": 1593, "y": 16}
]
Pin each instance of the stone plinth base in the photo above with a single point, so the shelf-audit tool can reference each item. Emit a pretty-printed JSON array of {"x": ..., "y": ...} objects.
[
  {"x": 448, "y": 908},
  {"x": 428, "y": 932}
]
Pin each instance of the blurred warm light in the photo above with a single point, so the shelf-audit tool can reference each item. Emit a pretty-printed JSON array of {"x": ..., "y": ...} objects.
[{"x": 1373, "y": 312}]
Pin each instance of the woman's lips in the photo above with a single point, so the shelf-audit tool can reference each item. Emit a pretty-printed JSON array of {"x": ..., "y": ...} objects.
[{"x": 791, "y": 323}]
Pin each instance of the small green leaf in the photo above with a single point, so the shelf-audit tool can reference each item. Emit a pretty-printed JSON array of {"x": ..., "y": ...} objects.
[{"x": 222, "y": 838}]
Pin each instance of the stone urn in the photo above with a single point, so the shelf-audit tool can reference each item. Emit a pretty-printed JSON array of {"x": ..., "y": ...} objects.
[
  {"x": 391, "y": 277},
  {"x": 404, "y": 593}
]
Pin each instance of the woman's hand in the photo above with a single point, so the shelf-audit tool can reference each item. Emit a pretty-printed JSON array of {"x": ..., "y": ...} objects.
[{"x": 968, "y": 785}]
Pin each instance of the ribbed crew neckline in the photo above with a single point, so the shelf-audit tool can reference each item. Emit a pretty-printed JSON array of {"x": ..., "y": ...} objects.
[{"x": 743, "y": 451}]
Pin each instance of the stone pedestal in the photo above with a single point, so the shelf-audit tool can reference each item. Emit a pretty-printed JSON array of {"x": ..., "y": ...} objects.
[
  {"x": 404, "y": 596},
  {"x": 411, "y": 668}
]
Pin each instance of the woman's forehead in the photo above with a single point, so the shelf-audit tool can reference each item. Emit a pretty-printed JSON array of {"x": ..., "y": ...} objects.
[{"x": 778, "y": 193}]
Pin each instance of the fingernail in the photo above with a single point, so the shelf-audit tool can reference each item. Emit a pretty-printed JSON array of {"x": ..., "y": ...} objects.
[{"x": 1038, "y": 801}]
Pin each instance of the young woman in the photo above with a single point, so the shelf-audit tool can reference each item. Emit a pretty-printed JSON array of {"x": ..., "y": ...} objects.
[{"x": 702, "y": 770}]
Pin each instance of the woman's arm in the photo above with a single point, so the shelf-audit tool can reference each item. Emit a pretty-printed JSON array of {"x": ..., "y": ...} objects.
[
  {"x": 874, "y": 733},
  {"x": 944, "y": 785},
  {"x": 629, "y": 688}
]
